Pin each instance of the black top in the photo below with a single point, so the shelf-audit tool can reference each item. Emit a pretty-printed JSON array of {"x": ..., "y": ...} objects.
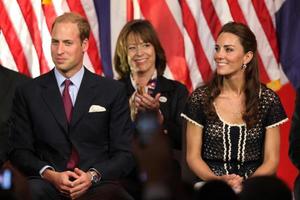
[
  {"x": 173, "y": 98},
  {"x": 9, "y": 80},
  {"x": 233, "y": 148}
]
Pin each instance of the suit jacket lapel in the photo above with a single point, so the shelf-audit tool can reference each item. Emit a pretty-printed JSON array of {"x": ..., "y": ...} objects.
[
  {"x": 84, "y": 98},
  {"x": 53, "y": 99},
  {"x": 4, "y": 80},
  {"x": 129, "y": 87}
]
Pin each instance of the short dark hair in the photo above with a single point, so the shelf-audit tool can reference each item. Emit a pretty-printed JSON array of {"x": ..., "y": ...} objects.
[{"x": 82, "y": 23}]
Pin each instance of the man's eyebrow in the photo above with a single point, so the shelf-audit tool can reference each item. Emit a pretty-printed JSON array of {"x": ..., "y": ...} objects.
[{"x": 67, "y": 40}]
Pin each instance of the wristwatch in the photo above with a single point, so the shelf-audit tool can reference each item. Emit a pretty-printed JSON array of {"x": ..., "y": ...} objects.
[{"x": 95, "y": 177}]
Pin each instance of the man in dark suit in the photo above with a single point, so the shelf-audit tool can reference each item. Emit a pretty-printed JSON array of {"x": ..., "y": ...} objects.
[
  {"x": 9, "y": 80},
  {"x": 71, "y": 130},
  {"x": 294, "y": 150}
]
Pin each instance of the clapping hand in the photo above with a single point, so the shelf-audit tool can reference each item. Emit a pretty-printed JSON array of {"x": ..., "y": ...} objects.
[{"x": 144, "y": 101}]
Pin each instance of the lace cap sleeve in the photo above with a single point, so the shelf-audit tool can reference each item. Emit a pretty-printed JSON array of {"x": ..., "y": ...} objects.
[
  {"x": 193, "y": 111},
  {"x": 275, "y": 112}
]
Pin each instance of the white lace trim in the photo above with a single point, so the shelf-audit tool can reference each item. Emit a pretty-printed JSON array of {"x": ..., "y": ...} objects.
[
  {"x": 190, "y": 120},
  {"x": 278, "y": 123},
  {"x": 226, "y": 122},
  {"x": 229, "y": 142},
  {"x": 244, "y": 143},
  {"x": 224, "y": 145}
]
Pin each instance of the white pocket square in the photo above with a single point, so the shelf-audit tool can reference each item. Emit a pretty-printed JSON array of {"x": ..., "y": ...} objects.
[{"x": 96, "y": 108}]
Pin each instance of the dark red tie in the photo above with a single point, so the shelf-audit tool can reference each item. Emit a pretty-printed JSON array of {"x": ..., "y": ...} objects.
[
  {"x": 68, "y": 110},
  {"x": 67, "y": 100}
]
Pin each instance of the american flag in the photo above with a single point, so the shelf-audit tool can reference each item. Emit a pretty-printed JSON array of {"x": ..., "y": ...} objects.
[{"x": 187, "y": 30}]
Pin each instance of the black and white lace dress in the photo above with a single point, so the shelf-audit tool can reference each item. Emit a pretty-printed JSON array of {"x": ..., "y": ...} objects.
[{"x": 233, "y": 148}]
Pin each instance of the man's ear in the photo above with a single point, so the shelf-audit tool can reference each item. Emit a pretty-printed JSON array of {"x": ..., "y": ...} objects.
[
  {"x": 85, "y": 45},
  {"x": 248, "y": 57}
]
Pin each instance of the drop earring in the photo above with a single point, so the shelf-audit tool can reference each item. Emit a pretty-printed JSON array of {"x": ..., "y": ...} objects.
[{"x": 244, "y": 66}]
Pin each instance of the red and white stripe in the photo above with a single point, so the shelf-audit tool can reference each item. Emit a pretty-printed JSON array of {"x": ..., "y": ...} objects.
[
  {"x": 187, "y": 32},
  {"x": 189, "y": 29},
  {"x": 25, "y": 34}
]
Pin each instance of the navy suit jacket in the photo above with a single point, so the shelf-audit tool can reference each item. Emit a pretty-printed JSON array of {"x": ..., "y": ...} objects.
[
  {"x": 41, "y": 135},
  {"x": 9, "y": 80}
]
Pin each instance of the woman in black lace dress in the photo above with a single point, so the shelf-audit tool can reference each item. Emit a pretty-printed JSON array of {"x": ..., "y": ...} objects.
[{"x": 232, "y": 122}]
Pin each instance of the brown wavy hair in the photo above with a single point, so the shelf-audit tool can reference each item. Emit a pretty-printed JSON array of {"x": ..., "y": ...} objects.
[
  {"x": 252, "y": 83},
  {"x": 144, "y": 30}
]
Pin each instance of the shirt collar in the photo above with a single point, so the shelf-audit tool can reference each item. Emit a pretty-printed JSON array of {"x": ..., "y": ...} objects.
[
  {"x": 154, "y": 76},
  {"x": 75, "y": 79}
]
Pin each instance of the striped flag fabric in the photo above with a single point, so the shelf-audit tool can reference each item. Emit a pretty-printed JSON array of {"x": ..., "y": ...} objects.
[
  {"x": 25, "y": 34},
  {"x": 187, "y": 30},
  {"x": 288, "y": 32}
]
